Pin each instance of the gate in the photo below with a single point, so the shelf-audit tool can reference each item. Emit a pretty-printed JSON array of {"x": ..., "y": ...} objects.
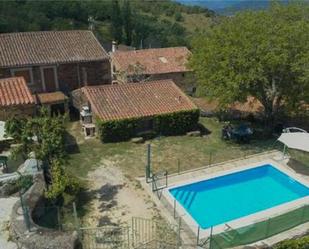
[
  {"x": 107, "y": 237},
  {"x": 150, "y": 234},
  {"x": 140, "y": 234}
]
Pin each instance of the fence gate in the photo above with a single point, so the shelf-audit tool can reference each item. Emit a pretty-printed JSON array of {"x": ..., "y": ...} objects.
[
  {"x": 149, "y": 234},
  {"x": 107, "y": 237}
]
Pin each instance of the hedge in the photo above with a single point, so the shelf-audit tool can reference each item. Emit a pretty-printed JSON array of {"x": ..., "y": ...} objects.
[
  {"x": 300, "y": 243},
  {"x": 176, "y": 123}
]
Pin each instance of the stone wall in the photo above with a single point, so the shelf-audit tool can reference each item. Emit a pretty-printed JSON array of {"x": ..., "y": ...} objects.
[
  {"x": 38, "y": 237},
  {"x": 70, "y": 76},
  {"x": 183, "y": 80}
]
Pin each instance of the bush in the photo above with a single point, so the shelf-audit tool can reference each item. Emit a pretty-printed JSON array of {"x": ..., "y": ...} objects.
[
  {"x": 176, "y": 123},
  {"x": 301, "y": 243},
  {"x": 167, "y": 124},
  {"x": 117, "y": 130}
]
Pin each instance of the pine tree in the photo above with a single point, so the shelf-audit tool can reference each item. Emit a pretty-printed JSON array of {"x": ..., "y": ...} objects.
[
  {"x": 116, "y": 21},
  {"x": 127, "y": 21}
]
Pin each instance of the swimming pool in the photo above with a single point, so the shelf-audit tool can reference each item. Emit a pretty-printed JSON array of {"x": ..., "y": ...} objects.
[{"x": 225, "y": 198}]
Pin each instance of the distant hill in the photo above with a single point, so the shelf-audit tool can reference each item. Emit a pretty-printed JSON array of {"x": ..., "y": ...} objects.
[
  {"x": 138, "y": 23},
  {"x": 230, "y": 6}
]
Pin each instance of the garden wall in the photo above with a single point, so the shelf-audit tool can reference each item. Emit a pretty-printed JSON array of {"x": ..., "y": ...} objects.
[{"x": 38, "y": 237}]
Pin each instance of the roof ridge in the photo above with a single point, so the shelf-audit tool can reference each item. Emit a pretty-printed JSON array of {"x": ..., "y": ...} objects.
[
  {"x": 138, "y": 84},
  {"x": 149, "y": 49},
  {"x": 10, "y": 78},
  {"x": 45, "y": 31}
]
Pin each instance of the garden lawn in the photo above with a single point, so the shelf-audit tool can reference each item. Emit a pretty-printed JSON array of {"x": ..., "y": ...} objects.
[{"x": 168, "y": 153}]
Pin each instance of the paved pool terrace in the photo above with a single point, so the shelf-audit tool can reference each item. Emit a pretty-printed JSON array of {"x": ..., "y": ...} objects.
[{"x": 166, "y": 203}]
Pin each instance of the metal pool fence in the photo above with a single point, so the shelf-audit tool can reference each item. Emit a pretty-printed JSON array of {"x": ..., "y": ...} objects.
[{"x": 261, "y": 230}]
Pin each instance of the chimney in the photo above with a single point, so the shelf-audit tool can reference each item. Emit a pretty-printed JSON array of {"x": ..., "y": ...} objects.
[{"x": 114, "y": 46}]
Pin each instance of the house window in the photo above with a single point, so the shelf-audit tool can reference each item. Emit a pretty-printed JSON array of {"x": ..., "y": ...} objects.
[{"x": 23, "y": 72}]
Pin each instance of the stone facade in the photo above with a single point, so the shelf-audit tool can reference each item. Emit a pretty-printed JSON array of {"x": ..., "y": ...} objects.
[
  {"x": 20, "y": 110},
  {"x": 70, "y": 76},
  {"x": 184, "y": 80}
]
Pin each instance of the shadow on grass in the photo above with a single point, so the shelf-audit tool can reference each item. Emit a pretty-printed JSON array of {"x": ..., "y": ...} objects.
[
  {"x": 299, "y": 167},
  {"x": 71, "y": 144}
]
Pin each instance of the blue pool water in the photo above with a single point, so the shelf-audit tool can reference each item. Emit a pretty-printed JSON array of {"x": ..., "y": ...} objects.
[{"x": 225, "y": 198}]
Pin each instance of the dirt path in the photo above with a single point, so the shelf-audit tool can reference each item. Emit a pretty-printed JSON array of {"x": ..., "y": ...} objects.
[{"x": 116, "y": 199}]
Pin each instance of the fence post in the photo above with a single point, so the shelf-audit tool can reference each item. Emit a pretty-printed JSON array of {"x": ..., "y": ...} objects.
[
  {"x": 303, "y": 213},
  {"x": 174, "y": 208},
  {"x": 267, "y": 227},
  {"x": 76, "y": 219},
  {"x": 25, "y": 211},
  {"x": 178, "y": 235},
  {"x": 128, "y": 234},
  {"x": 210, "y": 238},
  {"x": 210, "y": 158},
  {"x": 58, "y": 218},
  {"x": 148, "y": 165},
  {"x": 198, "y": 235}
]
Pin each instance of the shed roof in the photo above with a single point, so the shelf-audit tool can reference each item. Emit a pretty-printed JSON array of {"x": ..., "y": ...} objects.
[{"x": 14, "y": 91}]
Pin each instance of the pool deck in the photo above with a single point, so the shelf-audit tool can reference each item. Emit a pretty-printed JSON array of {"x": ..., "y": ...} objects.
[{"x": 166, "y": 202}]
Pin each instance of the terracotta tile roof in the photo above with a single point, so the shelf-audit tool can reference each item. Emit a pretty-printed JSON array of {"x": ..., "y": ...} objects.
[
  {"x": 153, "y": 61},
  {"x": 14, "y": 91},
  {"x": 110, "y": 102},
  {"x": 49, "y": 47},
  {"x": 49, "y": 98}
]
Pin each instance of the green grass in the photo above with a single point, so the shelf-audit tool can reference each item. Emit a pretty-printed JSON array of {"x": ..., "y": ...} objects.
[{"x": 167, "y": 152}]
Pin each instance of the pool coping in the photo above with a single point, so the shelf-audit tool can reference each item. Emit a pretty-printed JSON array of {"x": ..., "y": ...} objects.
[{"x": 243, "y": 221}]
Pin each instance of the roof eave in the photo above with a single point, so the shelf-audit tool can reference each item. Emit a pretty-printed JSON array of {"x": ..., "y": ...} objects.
[{"x": 53, "y": 63}]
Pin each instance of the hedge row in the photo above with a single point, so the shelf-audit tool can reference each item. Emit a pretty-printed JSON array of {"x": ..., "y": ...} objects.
[
  {"x": 301, "y": 243},
  {"x": 166, "y": 124}
]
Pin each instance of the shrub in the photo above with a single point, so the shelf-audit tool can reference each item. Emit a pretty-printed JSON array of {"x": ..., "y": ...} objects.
[
  {"x": 176, "y": 123},
  {"x": 117, "y": 130},
  {"x": 166, "y": 124},
  {"x": 301, "y": 243}
]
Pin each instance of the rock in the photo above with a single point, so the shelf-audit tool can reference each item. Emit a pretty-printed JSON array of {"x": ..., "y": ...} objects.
[
  {"x": 194, "y": 134},
  {"x": 137, "y": 140}
]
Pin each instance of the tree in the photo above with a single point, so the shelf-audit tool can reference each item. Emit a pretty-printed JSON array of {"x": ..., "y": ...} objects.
[
  {"x": 263, "y": 54},
  {"x": 127, "y": 21},
  {"x": 116, "y": 21},
  {"x": 44, "y": 135}
]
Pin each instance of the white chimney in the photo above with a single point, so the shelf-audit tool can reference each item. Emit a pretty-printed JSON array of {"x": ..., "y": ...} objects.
[{"x": 114, "y": 46}]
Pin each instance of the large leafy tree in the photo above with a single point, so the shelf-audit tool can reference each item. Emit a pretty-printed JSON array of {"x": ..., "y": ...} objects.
[
  {"x": 44, "y": 135},
  {"x": 263, "y": 54}
]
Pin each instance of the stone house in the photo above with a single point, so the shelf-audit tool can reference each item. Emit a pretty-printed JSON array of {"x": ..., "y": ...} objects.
[
  {"x": 54, "y": 62},
  {"x": 153, "y": 64},
  {"x": 141, "y": 101}
]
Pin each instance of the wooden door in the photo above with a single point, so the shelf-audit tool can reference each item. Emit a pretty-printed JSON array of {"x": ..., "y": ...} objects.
[{"x": 49, "y": 75}]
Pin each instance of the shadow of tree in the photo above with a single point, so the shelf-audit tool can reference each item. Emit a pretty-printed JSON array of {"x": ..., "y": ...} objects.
[
  {"x": 71, "y": 143},
  {"x": 105, "y": 194}
]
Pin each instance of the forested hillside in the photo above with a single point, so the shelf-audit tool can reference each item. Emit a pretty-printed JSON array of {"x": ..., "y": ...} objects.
[{"x": 139, "y": 23}]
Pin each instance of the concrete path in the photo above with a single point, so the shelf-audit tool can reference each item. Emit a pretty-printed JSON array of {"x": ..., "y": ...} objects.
[{"x": 6, "y": 205}]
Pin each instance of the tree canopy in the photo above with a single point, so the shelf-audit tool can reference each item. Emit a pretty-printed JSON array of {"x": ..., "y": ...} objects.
[
  {"x": 45, "y": 135},
  {"x": 136, "y": 23},
  {"x": 264, "y": 54}
]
